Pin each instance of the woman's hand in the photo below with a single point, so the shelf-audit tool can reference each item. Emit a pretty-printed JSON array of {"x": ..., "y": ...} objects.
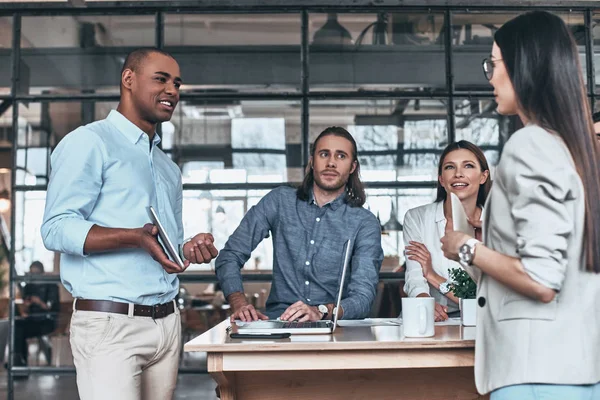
[
  {"x": 477, "y": 224},
  {"x": 452, "y": 242},
  {"x": 440, "y": 311},
  {"x": 418, "y": 252}
]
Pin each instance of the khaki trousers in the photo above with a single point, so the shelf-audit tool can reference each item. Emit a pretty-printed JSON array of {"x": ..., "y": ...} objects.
[{"x": 119, "y": 357}]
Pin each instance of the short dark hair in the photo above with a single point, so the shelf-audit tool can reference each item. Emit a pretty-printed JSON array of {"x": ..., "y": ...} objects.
[
  {"x": 137, "y": 56},
  {"x": 484, "y": 189},
  {"x": 355, "y": 189},
  {"x": 37, "y": 264},
  {"x": 596, "y": 116}
]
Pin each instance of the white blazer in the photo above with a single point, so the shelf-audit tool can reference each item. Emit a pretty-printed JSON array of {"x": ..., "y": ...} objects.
[
  {"x": 535, "y": 211},
  {"x": 426, "y": 224}
]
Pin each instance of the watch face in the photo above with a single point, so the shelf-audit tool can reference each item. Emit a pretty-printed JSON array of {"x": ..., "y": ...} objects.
[
  {"x": 443, "y": 288},
  {"x": 465, "y": 253},
  {"x": 323, "y": 308}
]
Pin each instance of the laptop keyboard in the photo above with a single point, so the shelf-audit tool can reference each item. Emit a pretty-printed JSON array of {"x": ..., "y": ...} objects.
[{"x": 317, "y": 324}]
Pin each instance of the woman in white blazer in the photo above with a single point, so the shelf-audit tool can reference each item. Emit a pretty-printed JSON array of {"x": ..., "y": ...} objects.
[
  {"x": 538, "y": 320},
  {"x": 464, "y": 171}
]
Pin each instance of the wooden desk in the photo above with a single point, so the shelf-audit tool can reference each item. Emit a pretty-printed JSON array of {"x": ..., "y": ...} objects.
[{"x": 354, "y": 363}]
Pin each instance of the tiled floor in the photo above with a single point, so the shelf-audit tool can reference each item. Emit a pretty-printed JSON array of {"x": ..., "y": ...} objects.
[
  {"x": 197, "y": 387},
  {"x": 63, "y": 387}
]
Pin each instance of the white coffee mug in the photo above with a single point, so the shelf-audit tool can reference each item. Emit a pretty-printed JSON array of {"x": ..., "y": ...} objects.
[{"x": 418, "y": 316}]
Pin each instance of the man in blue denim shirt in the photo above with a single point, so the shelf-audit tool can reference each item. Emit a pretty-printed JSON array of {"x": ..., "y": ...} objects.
[{"x": 310, "y": 226}]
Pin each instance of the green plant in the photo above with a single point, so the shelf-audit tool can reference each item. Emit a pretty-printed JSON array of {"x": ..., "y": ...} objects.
[{"x": 462, "y": 285}]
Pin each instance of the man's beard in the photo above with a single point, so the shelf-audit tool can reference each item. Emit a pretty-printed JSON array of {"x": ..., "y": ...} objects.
[{"x": 332, "y": 187}]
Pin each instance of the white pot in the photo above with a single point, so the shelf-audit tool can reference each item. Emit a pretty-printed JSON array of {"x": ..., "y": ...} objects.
[{"x": 468, "y": 312}]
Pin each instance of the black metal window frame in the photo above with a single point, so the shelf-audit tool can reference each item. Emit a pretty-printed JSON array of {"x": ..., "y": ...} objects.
[{"x": 305, "y": 95}]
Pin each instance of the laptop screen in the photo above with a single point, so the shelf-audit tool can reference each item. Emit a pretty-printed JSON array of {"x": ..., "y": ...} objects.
[{"x": 340, "y": 291}]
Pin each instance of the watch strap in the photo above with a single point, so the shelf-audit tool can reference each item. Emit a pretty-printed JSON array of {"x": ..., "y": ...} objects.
[
  {"x": 472, "y": 243},
  {"x": 444, "y": 287}
]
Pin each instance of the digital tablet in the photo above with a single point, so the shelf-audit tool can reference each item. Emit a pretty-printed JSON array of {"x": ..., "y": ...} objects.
[
  {"x": 171, "y": 250},
  {"x": 459, "y": 216}
]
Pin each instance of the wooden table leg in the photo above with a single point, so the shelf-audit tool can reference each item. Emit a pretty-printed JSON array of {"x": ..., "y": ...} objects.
[{"x": 226, "y": 382}]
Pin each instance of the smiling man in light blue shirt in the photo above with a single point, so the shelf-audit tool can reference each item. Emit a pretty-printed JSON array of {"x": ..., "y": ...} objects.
[{"x": 125, "y": 329}]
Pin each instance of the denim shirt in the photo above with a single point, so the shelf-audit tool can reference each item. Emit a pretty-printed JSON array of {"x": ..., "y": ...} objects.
[
  {"x": 308, "y": 247},
  {"x": 107, "y": 173}
]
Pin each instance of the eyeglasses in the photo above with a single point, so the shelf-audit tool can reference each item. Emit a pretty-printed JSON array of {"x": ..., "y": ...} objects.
[{"x": 488, "y": 67}]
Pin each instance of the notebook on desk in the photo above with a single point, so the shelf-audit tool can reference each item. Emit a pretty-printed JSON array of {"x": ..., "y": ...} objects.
[{"x": 297, "y": 328}]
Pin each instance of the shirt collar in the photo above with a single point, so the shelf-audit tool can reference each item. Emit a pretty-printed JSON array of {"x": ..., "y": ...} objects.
[
  {"x": 334, "y": 204},
  {"x": 439, "y": 212},
  {"x": 128, "y": 128}
]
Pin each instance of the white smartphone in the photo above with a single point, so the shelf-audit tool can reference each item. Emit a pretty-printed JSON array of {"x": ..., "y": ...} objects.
[
  {"x": 459, "y": 216},
  {"x": 171, "y": 250}
]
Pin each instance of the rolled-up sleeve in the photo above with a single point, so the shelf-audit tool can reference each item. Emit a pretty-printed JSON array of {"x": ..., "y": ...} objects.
[
  {"x": 414, "y": 281},
  {"x": 73, "y": 189},
  {"x": 366, "y": 263},
  {"x": 255, "y": 227},
  {"x": 538, "y": 189}
]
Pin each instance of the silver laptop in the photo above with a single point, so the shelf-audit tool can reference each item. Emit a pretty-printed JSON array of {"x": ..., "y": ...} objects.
[{"x": 305, "y": 328}]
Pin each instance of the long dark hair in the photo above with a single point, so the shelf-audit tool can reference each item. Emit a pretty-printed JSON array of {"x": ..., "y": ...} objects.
[
  {"x": 542, "y": 61},
  {"x": 355, "y": 190},
  {"x": 484, "y": 189}
]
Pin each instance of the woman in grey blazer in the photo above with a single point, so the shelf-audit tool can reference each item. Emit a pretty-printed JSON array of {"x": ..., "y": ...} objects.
[{"x": 538, "y": 322}]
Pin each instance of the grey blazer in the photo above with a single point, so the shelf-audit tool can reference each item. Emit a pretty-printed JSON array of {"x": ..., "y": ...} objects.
[{"x": 535, "y": 211}]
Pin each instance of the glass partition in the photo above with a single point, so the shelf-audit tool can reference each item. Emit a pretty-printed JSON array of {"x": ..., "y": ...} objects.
[{"x": 376, "y": 51}]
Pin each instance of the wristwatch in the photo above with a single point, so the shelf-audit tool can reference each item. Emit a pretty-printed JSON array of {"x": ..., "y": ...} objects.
[
  {"x": 466, "y": 252},
  {"x": 183, "y": 257},
  {"x": 444, "y": 287},
  {"x": 323, "y": 310}
]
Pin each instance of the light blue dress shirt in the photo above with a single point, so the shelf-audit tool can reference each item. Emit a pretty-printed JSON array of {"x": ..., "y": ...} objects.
[{"x": 106, "y": 173}]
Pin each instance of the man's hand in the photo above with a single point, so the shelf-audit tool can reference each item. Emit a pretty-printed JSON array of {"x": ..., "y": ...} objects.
[
  {"x": 247, "y": 313},
  {"x": 242, "y": 310},
  {"x": 200, "y": 249},
  {"x": 301, "y": 312},
  {"x": 148, "y": 241},
  {"x": 38, "y": 301}
]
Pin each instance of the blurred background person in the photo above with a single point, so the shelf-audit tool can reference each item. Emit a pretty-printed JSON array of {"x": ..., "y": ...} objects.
[
  {"x": 38, "y": 313},
  {"x": 596, "y": 118}
]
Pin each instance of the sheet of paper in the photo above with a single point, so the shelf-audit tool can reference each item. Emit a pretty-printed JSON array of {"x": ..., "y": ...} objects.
[
  {"x": 459, "y": 216},
  {"x": 369, "y": 322},
  {"x": 388, "y": 322},
  {"x": 449, "y": 321}
]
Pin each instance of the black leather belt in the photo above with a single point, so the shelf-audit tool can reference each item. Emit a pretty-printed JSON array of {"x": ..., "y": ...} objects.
[{"x": 155, "y": 312}]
